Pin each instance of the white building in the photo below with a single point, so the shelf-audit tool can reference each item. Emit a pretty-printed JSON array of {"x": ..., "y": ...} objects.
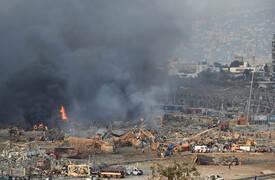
[
  {"x": 242, "y": 68},
  {"x": 201, "y": 66}
]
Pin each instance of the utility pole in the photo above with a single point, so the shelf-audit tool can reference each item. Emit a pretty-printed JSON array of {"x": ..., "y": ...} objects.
[{"x": 249, "y": 100}]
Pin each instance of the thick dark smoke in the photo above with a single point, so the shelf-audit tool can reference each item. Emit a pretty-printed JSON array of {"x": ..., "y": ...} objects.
[{"x": 101, "y": 59}]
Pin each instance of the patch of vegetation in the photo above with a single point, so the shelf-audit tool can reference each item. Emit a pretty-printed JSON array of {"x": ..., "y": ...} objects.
[{"x": 175, "y": 171}]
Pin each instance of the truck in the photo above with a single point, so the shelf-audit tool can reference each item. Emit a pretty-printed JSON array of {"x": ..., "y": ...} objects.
[{"x": 108, "y": 171}]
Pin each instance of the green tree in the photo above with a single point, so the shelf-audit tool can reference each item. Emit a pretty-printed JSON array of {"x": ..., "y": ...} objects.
[
  {"x": 216, "y": 64},
  {"x": 236, "y": 64}
]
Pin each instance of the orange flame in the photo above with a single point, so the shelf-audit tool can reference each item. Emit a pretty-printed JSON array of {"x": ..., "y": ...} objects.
[{"x": 63, "y": 114}]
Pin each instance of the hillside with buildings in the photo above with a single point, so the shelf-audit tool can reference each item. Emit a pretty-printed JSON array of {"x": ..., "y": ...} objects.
[{"x": 238, "y": 31}]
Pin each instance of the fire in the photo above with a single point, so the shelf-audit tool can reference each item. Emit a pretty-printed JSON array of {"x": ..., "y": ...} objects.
[{"x": 63, "y": 114}]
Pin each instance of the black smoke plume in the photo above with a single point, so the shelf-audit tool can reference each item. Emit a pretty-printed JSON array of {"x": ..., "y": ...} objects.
[{"x": 103, "y": 60}]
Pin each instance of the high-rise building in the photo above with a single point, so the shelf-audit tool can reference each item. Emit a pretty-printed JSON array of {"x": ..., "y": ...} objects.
[
  {"x": 273, "y": 49},
  {"x": 272, "y": 67}
]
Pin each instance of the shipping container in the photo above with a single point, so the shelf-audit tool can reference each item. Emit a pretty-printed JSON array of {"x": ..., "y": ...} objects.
[
  {"x": 233, "y": 123},
  {"x": 260, "y": 117},
  {"x": 195, "y": 111},
  {"x": 207, "y": 121},
  {"x": 271, "y": 118},
  {"x": 172, "y": 108},
  {"x": 246, "y": 148},
  {"x": 107, "y": 148},
  {"x": 242, "y": 122},
  {"x": 242, "y": 118},
  {"x": 213, "y": 113}
]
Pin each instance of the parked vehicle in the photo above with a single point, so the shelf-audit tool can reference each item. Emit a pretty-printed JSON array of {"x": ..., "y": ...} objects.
[
  {"x": 215, "y": 177},
  {"x": 261, "y": 148},
  {"x": 108, "y": 172},
  {"x": 246, "y": 148},
  {"x": 134, "y": 171},
  {"x": 201, "y": 149},
  {"x": 240, "y": 150}
]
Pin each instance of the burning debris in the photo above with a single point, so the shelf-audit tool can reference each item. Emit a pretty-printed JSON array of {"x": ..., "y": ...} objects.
[{"x": 63, "y": 114}]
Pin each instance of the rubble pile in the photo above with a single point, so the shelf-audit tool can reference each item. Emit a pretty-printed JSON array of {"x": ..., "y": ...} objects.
[
  {"x": 92, "y": 145},
  {"x": 52, "y": 152},
  {"x": 29, "y": 159},
  {"x": 20, "y": 157},
  {"x": 19, "y": 135},
  {"x": 135, "y": 137}
]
